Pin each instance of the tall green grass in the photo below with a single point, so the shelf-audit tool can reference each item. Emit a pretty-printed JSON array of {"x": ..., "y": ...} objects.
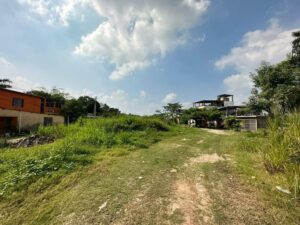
[
  {"x": 281, "y": 149},
  {"x": 74, "y": 147}
]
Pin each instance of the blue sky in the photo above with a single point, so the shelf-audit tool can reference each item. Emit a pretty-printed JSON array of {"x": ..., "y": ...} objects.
[{"x": 139, "y": 55}]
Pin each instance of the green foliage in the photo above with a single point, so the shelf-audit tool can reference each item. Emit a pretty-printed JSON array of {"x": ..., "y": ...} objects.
[
  {"x": 75, "y": 145},
  {"x": 200, "y": 114},
  {"x": 3, "y": 143},
  {"x": 73, "y": 108},
  {"x": 232, "y": 123},
  {"x": 172, "y": 111},
  {"x": 296, "y": 49},
  {"x": 5, "y": 83},
  {"x": 277, "y": 87},
  {"x": 281, "y": 149}
]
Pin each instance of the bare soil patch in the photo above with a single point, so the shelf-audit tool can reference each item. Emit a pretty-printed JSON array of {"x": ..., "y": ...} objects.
[
  {"x": 216, "y": 131},
  {"x": 192, "y": 200},
  {"x": 207, "y": 158}
]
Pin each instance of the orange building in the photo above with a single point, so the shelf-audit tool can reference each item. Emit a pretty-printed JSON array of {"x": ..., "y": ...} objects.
[{"x": 20, "y": 111}]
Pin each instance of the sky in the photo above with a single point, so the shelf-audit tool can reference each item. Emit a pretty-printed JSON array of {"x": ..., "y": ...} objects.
[{"x": 138, "y": 55}]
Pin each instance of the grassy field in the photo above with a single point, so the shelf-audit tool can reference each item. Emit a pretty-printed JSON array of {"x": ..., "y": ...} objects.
[{"x": 137, "y": 171}]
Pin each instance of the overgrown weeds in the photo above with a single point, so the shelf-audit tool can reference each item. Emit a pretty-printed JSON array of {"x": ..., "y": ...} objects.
[
  {"x": 76, "y": 144},
  {"x": 281, "y": 149}
]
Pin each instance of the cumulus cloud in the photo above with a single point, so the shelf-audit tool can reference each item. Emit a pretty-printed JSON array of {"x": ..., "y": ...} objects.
[
  {"x": 240, "y": 85},
  {"x": 134, "y": 32},
  {"x": 171, "y": 97},
  {"x": 53, "y": 11},
  {"x": 271, "y": 45}
]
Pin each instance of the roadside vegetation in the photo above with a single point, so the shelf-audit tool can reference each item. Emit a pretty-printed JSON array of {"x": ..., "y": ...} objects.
[
  {"x": 81, "y": 179},
  {"x": 149, "y": 170},
  {"x": 75, "y": 146}
]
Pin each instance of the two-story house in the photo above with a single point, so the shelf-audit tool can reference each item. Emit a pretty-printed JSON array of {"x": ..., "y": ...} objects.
[{"x": 20, "y": 111}]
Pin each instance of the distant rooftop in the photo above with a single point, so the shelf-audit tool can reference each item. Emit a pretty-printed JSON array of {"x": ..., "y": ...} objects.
[{"x": 224, "y": 95}]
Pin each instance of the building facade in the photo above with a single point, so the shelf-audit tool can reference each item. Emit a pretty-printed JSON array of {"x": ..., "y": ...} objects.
[
  {"x": 20, "y": 111},
  {"x": 225, "y": 104}
]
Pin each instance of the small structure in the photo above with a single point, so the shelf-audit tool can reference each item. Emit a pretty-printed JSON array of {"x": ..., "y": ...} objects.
[
  {"x": 253, "y": 123},
  {"x": 20, "y": 111},
  {"x": 223, "y": 100},
  {"x": 225, "y": 104},
  {"x": 192, "y": 123}
]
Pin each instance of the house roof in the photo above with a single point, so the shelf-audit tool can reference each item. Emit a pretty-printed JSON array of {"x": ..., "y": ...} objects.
[
  {"x": 209, "y": 101},
  {"x": 224, "y": 95},
  {"x": 18, "y": 92}
]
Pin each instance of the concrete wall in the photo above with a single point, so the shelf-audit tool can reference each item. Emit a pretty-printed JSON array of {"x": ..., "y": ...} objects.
[
  {"x": 27, "y": 119},
  {"x": 249, "y": 124}
]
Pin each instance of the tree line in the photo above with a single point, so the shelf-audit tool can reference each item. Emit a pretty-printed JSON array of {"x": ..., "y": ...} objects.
[
  {"x": 276, "y": 90},
  {"x": 71, "y": 108}
]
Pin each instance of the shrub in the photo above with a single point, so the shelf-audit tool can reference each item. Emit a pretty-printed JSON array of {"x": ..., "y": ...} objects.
[
  {"x": 232, "y": 123},
  {"x": 3, "y": 143},
  {"x": 282, "y": 148}
]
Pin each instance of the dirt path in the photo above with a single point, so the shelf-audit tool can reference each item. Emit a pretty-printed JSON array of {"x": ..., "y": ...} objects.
[
  {"x": 189, "y": 179},
  {"x": 191, "y": 198},
  {"x": 216, "y": 131}
]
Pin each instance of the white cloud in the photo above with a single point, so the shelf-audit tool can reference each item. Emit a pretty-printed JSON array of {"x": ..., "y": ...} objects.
[
  {"x": 122, "y": 100},
  {"x": 4, "y": 62},
  {"x": 240, "y": 85},
  {"x": 142, "y": 94},
  {"x": 134, "y": 32},
  {"x": 171, "y": 97},
  {"x": 119, "y": 99},
  {"x": 53, "y": 11},
  {"x": 271, "y": 45}
]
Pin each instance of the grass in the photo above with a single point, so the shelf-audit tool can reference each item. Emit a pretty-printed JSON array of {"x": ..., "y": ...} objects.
[
  {"x": 75, "y": 147},
  {"x": 131, "y": 174},
  {"x": 281, "y": 149}
]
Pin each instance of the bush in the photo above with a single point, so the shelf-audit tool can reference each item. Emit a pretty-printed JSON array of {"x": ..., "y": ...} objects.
[
  {"x": 3, "y": 143},
  {"x": 232, "y": 123},
  {"x": 282, "y": 148}
]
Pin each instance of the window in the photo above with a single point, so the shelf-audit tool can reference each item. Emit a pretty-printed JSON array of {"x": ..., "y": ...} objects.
[{"x": 18, "y": 102}]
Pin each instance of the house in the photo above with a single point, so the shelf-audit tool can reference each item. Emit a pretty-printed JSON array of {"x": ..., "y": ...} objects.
[
  {"x": 20, "y": 111},
  {"x": 225, "y": 104},
  {"x": 223, "y": 100}
]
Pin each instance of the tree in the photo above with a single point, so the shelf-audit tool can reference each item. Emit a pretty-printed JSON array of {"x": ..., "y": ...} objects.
[
  {"x": 73, "y": 108},
  {"x": 172, "y": 111},
  {"x": 212, "y": 114},
  {"x": 106, "y": 111},
  {"x": 256, "y": 103},
  {"x": 296, "y": 49},
  {"x": 277, "y": 87},
  {"x": 5, "y": 83},
  {"x": 55, "y": 95},
  {"x": 89, "y": 104}
]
